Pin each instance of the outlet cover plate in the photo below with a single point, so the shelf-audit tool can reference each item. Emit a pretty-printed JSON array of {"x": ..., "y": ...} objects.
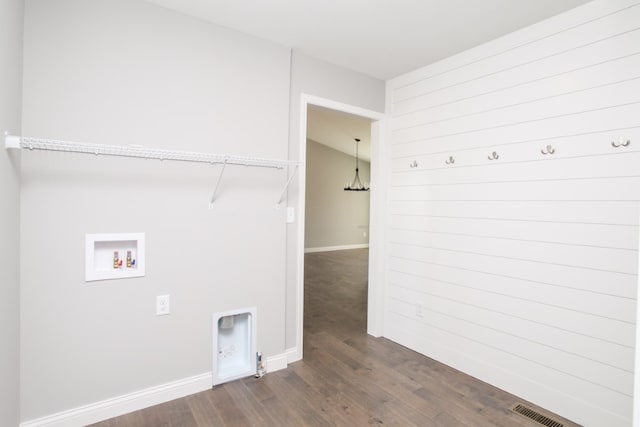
[
  {"x": 162, "y": 305},
  {"x": 291, "y": 215}
]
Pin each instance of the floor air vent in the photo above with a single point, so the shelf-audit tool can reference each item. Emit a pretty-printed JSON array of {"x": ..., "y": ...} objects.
[{"x": 536, "y": 416}]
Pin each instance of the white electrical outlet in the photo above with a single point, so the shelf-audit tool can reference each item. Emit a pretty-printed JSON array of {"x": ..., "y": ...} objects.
[
  {"x": 419, "y": 309},
  {"x": 162, "y": 305}
]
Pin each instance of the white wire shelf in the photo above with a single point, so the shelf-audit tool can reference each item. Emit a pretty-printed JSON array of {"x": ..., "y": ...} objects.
[
  {"x": 26, "y": 143},
  {"x": 136, "y": 151}
]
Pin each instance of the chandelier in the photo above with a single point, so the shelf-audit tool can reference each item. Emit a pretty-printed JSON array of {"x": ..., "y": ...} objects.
[{"x": 356, "y": 185}]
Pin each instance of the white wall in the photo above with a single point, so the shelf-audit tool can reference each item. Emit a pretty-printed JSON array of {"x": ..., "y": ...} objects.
[
  {"x": 314, "y": 77},
  {"x": 334, "y": 217},
  {"x": 526, "y": 266},
  {"x": 126, "y": 72},
  {"x": 11, "y": 27}
]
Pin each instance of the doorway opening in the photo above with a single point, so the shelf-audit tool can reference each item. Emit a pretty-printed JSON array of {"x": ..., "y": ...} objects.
[
  {"x": 352, "y": 241},
  {"x": 336, "y": 223},
  {"x": 336, "y": 219}
]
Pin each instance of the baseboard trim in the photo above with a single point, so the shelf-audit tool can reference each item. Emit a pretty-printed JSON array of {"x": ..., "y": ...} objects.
[
  {"x": 335, "y": 248},
  {"x": 124, "y": 404},
  {"x": 109, "y": 408},
  {"x": 281, "y": 361},
  {"x": 293, "y": 354},
  {"x": 276, "y": 363}
]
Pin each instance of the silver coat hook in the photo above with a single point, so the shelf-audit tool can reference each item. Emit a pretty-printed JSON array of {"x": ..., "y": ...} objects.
[
  {"x": 450, "y": 161},
  {"x": 493, "y": 156},
  {"x": 621, "y": 143},
  {"x": 413, "y": 164},
  {"x": 548, "y": 150}
]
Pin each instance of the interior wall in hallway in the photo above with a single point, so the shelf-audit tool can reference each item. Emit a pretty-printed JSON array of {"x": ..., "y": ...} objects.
[{"x": 334, "y": 218}]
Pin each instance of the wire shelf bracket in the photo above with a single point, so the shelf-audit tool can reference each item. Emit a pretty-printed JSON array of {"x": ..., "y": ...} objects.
[
  {"x": 138, "y": 151},
  {"x": 284, "y": 190},
  {"x": 215, "y": 189}
]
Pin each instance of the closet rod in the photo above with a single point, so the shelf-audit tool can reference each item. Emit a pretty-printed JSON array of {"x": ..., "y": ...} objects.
[{"x": 25, "y": 143}]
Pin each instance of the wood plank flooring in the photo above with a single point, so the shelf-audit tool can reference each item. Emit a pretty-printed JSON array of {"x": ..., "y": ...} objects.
[{"x": 347, "y": 378}]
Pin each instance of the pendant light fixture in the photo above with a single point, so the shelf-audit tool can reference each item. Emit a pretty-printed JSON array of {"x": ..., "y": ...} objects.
[{"x": 356, "y": 185}]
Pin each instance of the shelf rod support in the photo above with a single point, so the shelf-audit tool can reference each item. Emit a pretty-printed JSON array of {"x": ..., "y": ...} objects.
[
  {"x": 284, "y": 190},
  {"x": 215, "y": 190}
]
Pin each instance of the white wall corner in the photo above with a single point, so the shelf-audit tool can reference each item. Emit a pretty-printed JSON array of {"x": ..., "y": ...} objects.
[{"x": 377, "y": 231}]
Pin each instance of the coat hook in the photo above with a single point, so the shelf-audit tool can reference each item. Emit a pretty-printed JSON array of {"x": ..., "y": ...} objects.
[
  {"x": 450, "y": 161},
  {"x": 622, "y": 143},
  {"x": 413, "y": 164},
  {"x": 548, "y": 150},
  {"x": 493, "y": 156}
]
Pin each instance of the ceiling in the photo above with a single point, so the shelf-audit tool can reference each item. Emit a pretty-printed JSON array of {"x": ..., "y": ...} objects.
[
  {"x": 338, "y": 130},
  {"x": 380, "y": 38}
]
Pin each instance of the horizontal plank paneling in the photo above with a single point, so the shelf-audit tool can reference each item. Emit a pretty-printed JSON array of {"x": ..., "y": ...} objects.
[
  {"x": 599, "y": 305},
  {"x": 595, "y": 281},
  {"x": 440, "y": 343},
  {"x": 582, "y": 212},
  {"x": 480, "y": 326},
  {"x": 613, "y": 188},
  {"x": 611, "y": 116},
  {"x": 623, "y": 93},
  {"x": 602, "y": 351},
  {"x": 563, "y": 235},
  {"x": 500, "y": 84},
  {"x": 421, "y": 245},
  {"x": 615, "y": 70},
  {"x": 522, "y": 268},
  {"x": 554, "y": 53}
]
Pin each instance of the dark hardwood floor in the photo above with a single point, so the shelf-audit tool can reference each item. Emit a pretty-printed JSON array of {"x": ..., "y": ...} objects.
[{"x": 347, "y": 378}]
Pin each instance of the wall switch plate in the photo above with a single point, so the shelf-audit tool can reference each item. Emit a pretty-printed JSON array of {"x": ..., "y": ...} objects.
[
  {"x": 419, "y": 309},
  {"x": 291, "y": 215},
  {"x": 162, "y": 305}
]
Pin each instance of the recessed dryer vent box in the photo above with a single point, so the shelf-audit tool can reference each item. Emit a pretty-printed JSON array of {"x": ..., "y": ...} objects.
[
  {"x": 234, "y": 345},
  {"x": 114, "y": 256}
]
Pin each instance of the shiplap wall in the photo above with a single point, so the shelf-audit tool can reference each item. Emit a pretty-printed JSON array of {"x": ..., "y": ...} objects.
[{"x": 522, "y": 270}]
